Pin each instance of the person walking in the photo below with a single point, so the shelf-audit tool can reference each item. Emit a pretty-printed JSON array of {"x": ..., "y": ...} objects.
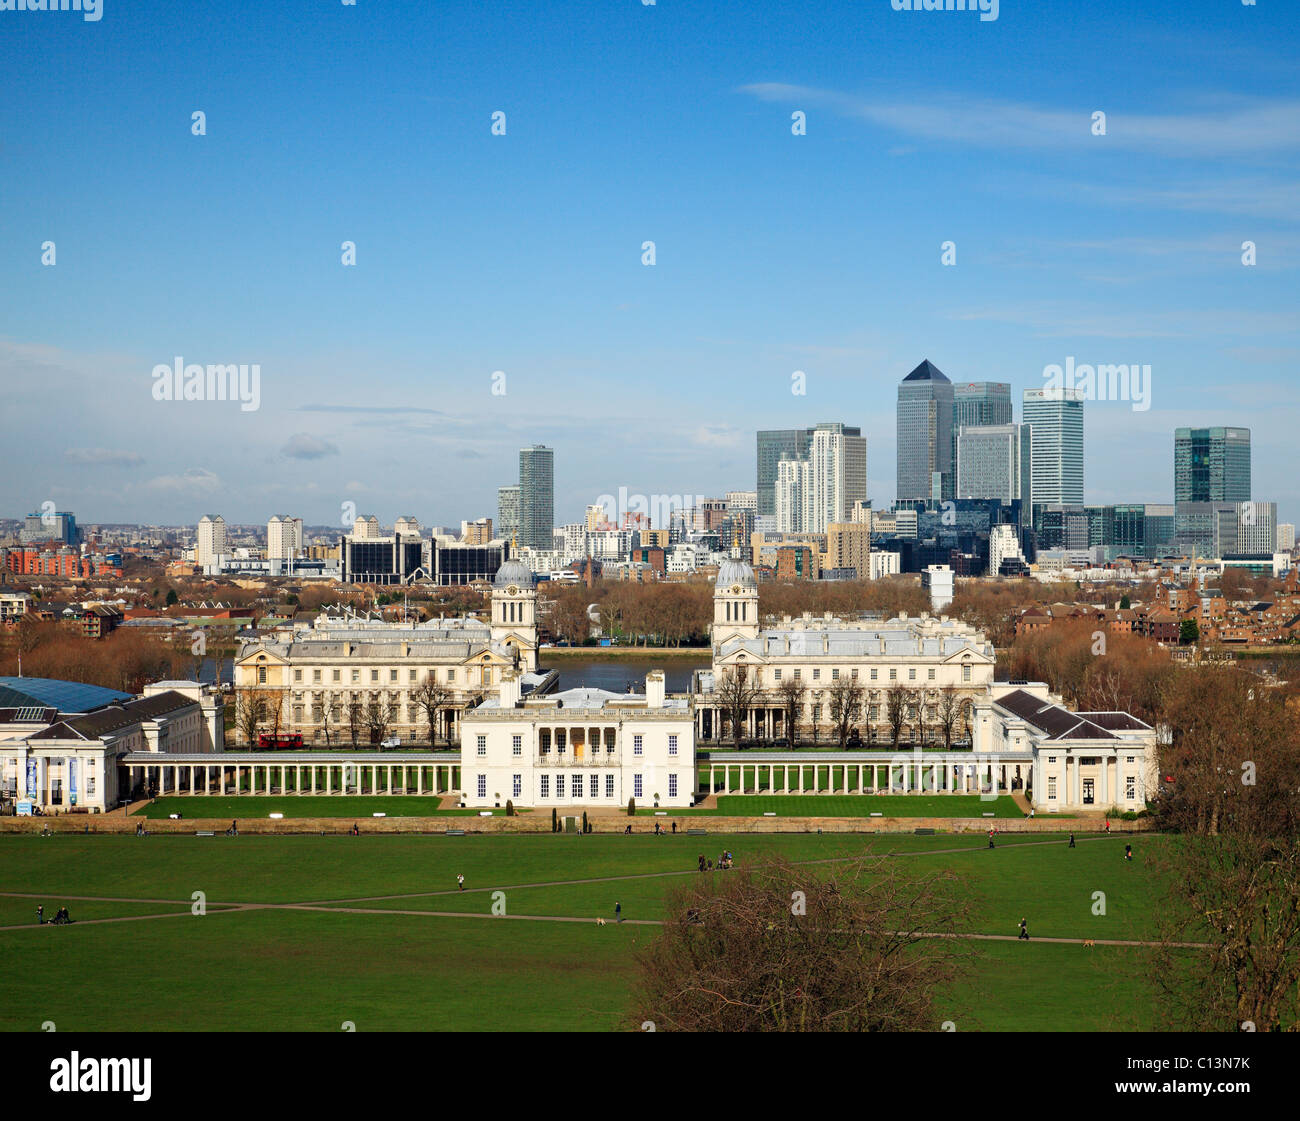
[
  {"x": 1024, "y": 931},
  {"x": 234, "y": 829},
  {"x": 990, "y": 838},
  {"x": 618, "y": 912},
  {"x": 40, "y": 916},
  {"x": 1071, "y": 840},
  {"x": 1128, "y": 852},
  {"x": 460, "y": 880}
]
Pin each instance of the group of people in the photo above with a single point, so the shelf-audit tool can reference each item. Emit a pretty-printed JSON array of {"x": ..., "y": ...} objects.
[
  {"x": 706, "y": 865},
  {"x": 61, "y": 917},
  {"x": 140, "y": 830},
  {"x": 660, "y": 831}
]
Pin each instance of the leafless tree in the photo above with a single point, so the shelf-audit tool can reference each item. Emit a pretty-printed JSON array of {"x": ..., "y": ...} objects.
[
  {"x": 356, "y": 714},
  {"x": 379, "y": 715},
  {"x": 792, "y": 692},
  {"x": 845, "y": 704},
  {"x": 736, "y": 694},
  {"x": 252, "y": 705},
  {"x": 896, "y": 701},
  {"x": 949, "y": 713},
  {"x": 434, "y": 699},
  {"x": 791, "y": 948}
]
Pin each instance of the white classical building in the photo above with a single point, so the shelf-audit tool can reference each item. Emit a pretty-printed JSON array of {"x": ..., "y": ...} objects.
[
  {"x": 927, "y": 656},
  {"x": 316, "y": 679},
  {"x": 579, "y": 747},
  {"x": 62, "y": 762}
]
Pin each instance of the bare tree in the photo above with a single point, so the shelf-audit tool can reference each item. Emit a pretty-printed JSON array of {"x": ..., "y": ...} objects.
[
  {"x": 949, "y": 713},
  {"x": 356, "y": 714},
  {"x": 792, "y": 691},
  {"x": 789, "y": 948},
  {"x": 736, "y": 694},
  {"x": 896, "y": 701},
  {"x": 379, "y": 716},
  {"x": 252, "y": 706},
  {"x": 434, "y": 699},
  {"x": 329, "y": 715},
  {"x": 845, "y": 704}
]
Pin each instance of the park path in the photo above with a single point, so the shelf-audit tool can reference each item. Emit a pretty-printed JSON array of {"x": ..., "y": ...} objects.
[{"x": 347, "y": 906}]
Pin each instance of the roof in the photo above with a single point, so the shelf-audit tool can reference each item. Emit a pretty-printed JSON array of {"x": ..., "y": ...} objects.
[
  {"x": 47, "y": 692},
  {"x": 1059, "y": 723},
  {"x": 115, "y": 717},
  {"x": 926, "y": 371},
  {"x": 735, "y": 572}
]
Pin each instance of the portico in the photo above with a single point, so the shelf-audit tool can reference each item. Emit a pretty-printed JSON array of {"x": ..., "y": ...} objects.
[{"x": 866, "y": 772}]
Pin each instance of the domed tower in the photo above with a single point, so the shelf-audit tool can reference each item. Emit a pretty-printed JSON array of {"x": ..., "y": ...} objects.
[
  {"x": 514, "y": 611},
  {"x": 735, "y": 602}
]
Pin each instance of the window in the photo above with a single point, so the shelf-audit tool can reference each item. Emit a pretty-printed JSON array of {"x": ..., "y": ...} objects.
[
  {"x": 546, "y": 786},
  {"x": 559, "y": 786},
  {"x": 873, "y": 674},
  {"x": 1130, "y": 788},
  {"x": 516, "y": 785},
  {"x": 392, "y": 676},
  {"x": 798, "y": 674},
  {"x": 560, "y": 740},
  {"x": 544, "y": 741},
  {"x": 853, "y": 674},
  {"x": 911, "y": 675},
  {"x": 1130, "y": 759},
  {"x": 636, "y": 745},
  {"x": 874, "y": 712},
  {"x": 481, "y": 745},
  {"x": 482, "y": 786},
  {"x": 930, "y": 675},
  {"x": 577, "y": 785},
  {"x": 893, "y": 675},
  {"x": 374, "y": 675},
  {"x": 410, "y": 677},
  {"x": 609, "y": 741},
  {"x": 776, "y": 675},
  {"x": 336, "y": 676},
  {"x": 1051, "y": 758},
  {"x": 609, "y": 786},
  {"x": 636, "y": 786},
  {"x": 835, "y": 675},
  {"x": 261, "y": 675},
  {"x": 817, "y": 675},
  {"x": 672, "y": 745},
  {"x": 672, "y": 786},
  {"x": 297, "y": 675},
  {"x": 516, "y": 745},
  {"x": 451, "y": 676},
  {"x": 356, "y": 676},
  {"x": 1051, "y": 789},
  {"x": 965, "y": 673}
]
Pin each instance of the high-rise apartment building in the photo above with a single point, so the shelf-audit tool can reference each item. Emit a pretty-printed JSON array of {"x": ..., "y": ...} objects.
[
  {"x": 821, "y": 488},
  {"x": 536, "y": 496},
  {"x": 1055, "y": 419},
  {"x": 283, "y": 537},
  {"x": 508, "y": 511},
  {"x": 1211, "y": 464},
  {"x": 210, "y": 540},
  {"x": 925, "y": 403},
  {"x": 773, "y": 447}
]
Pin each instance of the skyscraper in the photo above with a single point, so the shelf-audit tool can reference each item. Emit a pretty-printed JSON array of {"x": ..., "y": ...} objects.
[
  {"x": 925, "y": 468},
  {"x": 507, "y": 511},
  {"x": 210, "y": 539},
  {"x": 978, "y": 404},
  {"x": 1055, "y": 419},
  {"x": 821, "y": 487},
  {"x": 536, "y": 496},
  {"x": 995, "y": 461},
  {"x": 1212, "y": 465},
  {"x": 283, "y": 537},
  {"x": 774, "y": 446}
]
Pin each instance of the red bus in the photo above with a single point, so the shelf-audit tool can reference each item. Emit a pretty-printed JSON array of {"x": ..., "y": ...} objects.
[{"x": 279, "y": 743}]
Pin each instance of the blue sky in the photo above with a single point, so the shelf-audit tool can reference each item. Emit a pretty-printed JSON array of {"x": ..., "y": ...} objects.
[{"x": 625, "y": 123}]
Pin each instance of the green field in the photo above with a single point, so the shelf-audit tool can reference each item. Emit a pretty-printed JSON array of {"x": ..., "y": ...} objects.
[
  {"x": 394, "y": 945},
  {"x": 360, "y": 807}
]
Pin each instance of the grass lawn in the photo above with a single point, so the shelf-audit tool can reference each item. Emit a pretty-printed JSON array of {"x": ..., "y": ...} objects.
[
  {"x": 863, "y": 805},
  {"x": 299, "y": 806},
  {"x": 279, "y": 968}
]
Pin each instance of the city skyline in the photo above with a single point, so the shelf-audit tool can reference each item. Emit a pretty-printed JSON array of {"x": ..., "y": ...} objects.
[{"x": 226, "y": 248}]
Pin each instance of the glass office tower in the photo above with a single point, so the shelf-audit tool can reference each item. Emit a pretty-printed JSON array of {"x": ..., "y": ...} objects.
[
  {"x": 1055, "y": 419},
  {"x": 925, "y": 467},
  {"x": 1212, "y": 465}
]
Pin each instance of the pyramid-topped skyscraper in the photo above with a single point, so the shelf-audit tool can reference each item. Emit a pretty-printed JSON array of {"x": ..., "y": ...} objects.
[{"x": 925, "y": 468}]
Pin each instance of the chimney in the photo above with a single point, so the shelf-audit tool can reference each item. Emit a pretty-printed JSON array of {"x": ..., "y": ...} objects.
[
  {"x": 509, "y": 691},
  {"x": 654, "y": 689}
]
